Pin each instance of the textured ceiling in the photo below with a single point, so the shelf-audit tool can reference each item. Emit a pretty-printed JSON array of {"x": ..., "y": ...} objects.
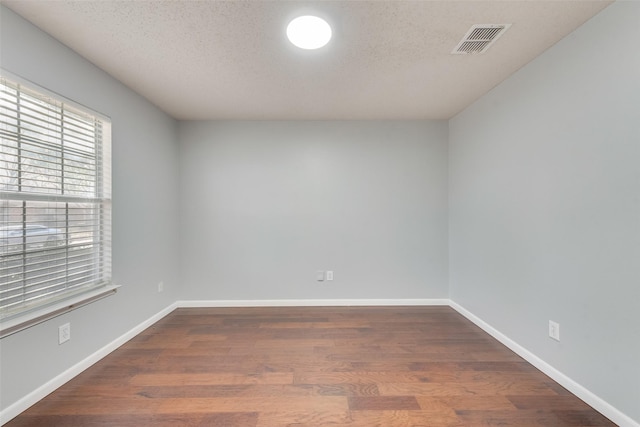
[{"x": 231, "y": 59}]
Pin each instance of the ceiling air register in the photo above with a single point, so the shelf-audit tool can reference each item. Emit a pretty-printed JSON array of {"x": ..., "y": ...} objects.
[{"x": 479, "y": 38}]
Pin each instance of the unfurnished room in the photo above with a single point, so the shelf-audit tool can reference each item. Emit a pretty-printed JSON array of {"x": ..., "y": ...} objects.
[{"x": 319, "y": 213}]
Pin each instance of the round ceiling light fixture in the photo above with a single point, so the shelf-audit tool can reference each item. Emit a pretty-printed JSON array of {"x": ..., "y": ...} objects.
[{"x": 309, "y": 32}]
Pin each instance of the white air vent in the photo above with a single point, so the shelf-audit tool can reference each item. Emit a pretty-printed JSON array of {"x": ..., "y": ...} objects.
[{"x": 479, "y": 38}]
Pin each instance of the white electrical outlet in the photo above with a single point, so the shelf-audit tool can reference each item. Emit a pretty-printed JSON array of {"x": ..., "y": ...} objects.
[
  {"x": 329, "y": 275},
  {"x": 554, "y": 330},
  {"x": 64, "y": 333},
  {"x": 160, "y": 286},
  {"x": 320, "y": 276}
]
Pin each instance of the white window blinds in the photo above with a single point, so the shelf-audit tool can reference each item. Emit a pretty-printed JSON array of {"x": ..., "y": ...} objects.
[{"x": 55, "y": 199}]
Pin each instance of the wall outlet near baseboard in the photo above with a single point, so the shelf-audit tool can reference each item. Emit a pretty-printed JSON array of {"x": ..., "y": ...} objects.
[
  {"x": 64, "y": 333},
  {"x": 320, "y": 276},
  {"x": 329, "y": 275},
  {"x": 554, "y": 330},
  {"x": 160, "y": 286}
]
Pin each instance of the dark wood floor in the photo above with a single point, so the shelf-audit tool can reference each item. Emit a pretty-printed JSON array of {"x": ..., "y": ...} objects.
[{"x": 357, "y": 366}]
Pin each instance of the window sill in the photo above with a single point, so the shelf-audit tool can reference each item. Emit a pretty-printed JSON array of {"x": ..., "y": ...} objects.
[{"x": 16, "y": 324}]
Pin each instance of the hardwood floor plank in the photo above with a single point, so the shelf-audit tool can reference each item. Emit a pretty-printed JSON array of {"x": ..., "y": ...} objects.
[
  {"x": 97, "y": 405},
  {"x": 155, "y": 420},
  {"x": 476, "y": 388},
  {"x": 291, "y": 418},
  {"x": 473, "y": 402},
  {"x": 257, "y": 404},
  {"x": 532, "y": 418},
  {"x": 583, "y": 418},
  {"x": 215, "y": 378},
  {"x": 344, "y": 324},
  {"x": 404, "y": 419},
  {"x": 258, "y": 390},
  {"x": 383, "y": 403},
  {"x": 285, "y": 344},
  {"x": 568, "y": 402}
]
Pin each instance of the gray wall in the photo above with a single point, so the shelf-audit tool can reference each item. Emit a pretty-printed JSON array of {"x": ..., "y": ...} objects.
[
  {"x": 264, "y": 205},
  {"x": 144, "y": 210},
  {"x": 545, "y": 206}
]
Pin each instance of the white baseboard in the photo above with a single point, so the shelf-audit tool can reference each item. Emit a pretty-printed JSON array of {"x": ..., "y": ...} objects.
[
  {"x": 38, "y": 394},
  {"x": 587, "y": 396},
  {"x": 312, "y": 302}
]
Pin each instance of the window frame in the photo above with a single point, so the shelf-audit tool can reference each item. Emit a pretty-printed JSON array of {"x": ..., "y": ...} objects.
[{"x": 99, "y": 203}]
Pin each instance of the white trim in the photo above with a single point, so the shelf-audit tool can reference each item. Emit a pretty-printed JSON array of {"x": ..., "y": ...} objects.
[
  {"x": 41, "y": 392},
  {"x": 31, "y": 87},
  {"x": 311, "y": 302},
  {"x": 26, "y": 320},
  {"x": 580, "y": 391}
]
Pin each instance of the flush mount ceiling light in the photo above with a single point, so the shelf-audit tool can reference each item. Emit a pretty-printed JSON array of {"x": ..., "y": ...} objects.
[{"x": 309, "y": 32}]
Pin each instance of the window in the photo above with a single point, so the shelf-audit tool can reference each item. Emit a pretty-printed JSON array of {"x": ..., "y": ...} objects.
[{"x": 55, "y": 200}]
